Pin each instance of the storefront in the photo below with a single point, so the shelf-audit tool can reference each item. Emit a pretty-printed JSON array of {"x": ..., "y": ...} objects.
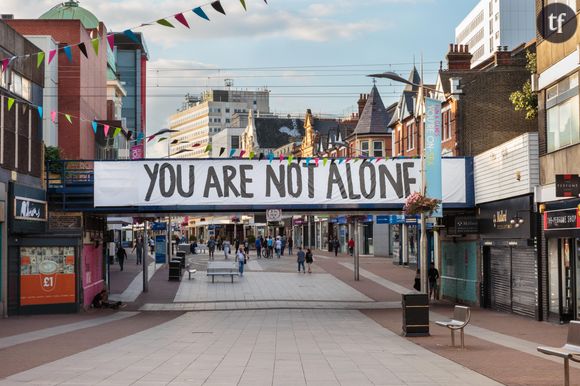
[
  {"x": 509, "y": 256},
  {"x": 561, "y": 224}
]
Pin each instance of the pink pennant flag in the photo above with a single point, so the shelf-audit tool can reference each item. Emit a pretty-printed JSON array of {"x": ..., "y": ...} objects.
[
  {"x": 242, "y": 152},
  {"x": 106, "y": 129},
  {"x": 51, "y": 55},
  {"x": 180, "y": 18},
  {"x": 111, "y": 40},
  {"x": 53, "y": 116},
  {"x": 316, "y": 161},
  {"x": 281, "y": 158},
  {"x": 5, "y": 63}
]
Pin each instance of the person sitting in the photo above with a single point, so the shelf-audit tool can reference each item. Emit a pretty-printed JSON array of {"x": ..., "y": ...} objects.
[{"x": 101, "y": 300}]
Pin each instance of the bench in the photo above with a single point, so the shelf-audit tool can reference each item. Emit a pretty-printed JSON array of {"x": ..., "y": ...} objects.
[
  {"x": 221, "y": 268},
  {"x": 190, "y": 271},
  {"x": 461, "y": 316},
  {"x": 569, "y": 352}
]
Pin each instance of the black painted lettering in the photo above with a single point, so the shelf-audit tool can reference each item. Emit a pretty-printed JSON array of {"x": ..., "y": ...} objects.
[
  {"x": 363, "y": 181},
  {"x": 163, "y": 189},
  {"x": 191, "y": 183},
  {"x": 396, "y": 184},
  {"x": 212, "y": 182},
  {"x": 245, "y": 180},
  {"x": 229, "y": 173},
  {"x": 408, "y": 180},
  {"x": 311, "y": 168},
  {"x": 334, "y": 178},
  {"x": 279, "y": 182},
  {"x": 294, "y": 180},
  {"x": 152, "y": 174},
  {"x": 351, "y": 194}
]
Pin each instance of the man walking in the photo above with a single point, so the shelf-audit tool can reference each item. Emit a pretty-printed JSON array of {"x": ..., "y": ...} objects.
[
  {"x": 290, "y": 245},
  {"x": 336, "y": 246},
  {"x": 301, "y": 259},
  {"x": 258, "y": 246},
  {"x": 351, "y": 246},
  {"x": 140, "y": 248},
  {"x": 278, "y": 246},
  {"x": 121, "y": 255},
  {"x": 211, "y": 247},
  {"x": 433, "y": 275}
]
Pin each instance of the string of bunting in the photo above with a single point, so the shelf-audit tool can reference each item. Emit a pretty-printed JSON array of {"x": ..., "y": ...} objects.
[{"x": 95, "y": 42}]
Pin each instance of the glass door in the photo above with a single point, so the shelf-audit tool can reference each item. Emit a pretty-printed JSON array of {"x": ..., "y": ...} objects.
[
  {"x": 566, "y": 278},
  {"x": 576, "y": 242}
]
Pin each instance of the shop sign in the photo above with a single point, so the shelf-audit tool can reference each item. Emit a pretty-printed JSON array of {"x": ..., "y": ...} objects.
[
  {"x": 29, "y": 209},
  {"x": 567, "y": 185},
  {"x": 160, "y": 249},
  {"x": 274, "y": 215},
  {"x": 506, "y": 219},
  {"x": 466, "y": 225},
  {"x": 159, "y": 226},
  {"x": 213, "y": 227},
  {"x": 561, "y": 219},
  {"x": 47, "y": 275},
  {"x": 298, "y": 221},
  {"x": 137, "y": 152},
  {"x": 341, "y": 220},
  {"x": 65, "y": 221}
]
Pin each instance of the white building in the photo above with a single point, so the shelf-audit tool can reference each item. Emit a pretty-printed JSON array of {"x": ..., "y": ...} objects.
[
  {"x": 227, "y": 139},
  {"x": 494, "y": 23},
  {"x": 50, "y": 94},
  {"x": 198, "y": 122}
]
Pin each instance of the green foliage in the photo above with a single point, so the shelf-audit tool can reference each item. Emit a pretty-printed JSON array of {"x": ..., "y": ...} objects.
[
  {"x": 51, "y": 157},
  {"x": 532, "y": 60},
  {"x": 525, "y": 99},
  {"x": 251, "y": 239}
]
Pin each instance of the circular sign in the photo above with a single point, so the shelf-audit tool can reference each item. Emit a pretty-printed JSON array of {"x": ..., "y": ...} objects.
[{"x": 557, "y": 23}]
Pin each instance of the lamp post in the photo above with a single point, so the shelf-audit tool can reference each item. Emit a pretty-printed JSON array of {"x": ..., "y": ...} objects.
[{"x": 423, "y": 244}]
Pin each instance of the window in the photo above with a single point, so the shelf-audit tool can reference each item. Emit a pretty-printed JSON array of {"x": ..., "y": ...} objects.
[
  {"x": 364, "y": 147},
  {"x": 490, "y": 26},
  {"x": 235, "y": 142},
  {"x": 491, "y": 44},
  {"x": 563, "y": 128},
  {"x": 227, "y": 110},
  {"x": 446, "y": 135},
  {"x": 227, "y": 120},
  {"x": 490, "y": 8},
  {"x": 377, "y": 148},
  {"x": 410, "y": 136}
]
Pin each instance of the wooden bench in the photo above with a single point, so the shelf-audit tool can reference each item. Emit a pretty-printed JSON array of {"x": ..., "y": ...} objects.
[
  {"x": 569, "y": 352},
  {"x": 222, "y": 268},
  {"x": 461, "y": 316},
  {"x": 190, "y": 270}
]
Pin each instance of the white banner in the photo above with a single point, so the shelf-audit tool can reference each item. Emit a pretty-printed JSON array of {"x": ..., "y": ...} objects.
[{"x": 244, "y": 183}]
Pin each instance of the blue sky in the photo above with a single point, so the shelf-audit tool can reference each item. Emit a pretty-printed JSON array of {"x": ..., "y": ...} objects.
[{"x": 365, "y": 36}]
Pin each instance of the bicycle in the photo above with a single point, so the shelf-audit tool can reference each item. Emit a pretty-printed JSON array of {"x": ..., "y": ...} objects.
[{"x": 266, "y": 254}]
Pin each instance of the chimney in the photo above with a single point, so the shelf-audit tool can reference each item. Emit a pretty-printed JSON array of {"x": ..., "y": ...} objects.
[
  {"x": 6, "y": 16},
  {"x": 502, "y": 56},
  {"x": 458, "y": 57},
  {"x": 362, "y": 100}
]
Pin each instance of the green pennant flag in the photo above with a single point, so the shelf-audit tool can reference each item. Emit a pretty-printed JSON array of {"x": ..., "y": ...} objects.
[
  {"x": 208, "y": 148},
  {"x": 117, "y": 132},
  {"x": 68, "y": 118},
  {"x": 252, "y": 154},
  {"x": 290, "y": 158},
  {"x": 324, "y": 161},
  {"x": 165, "y": 23},
  {"x": 10, "y": 103},
  {"x": 244, "y": 4},
  {"x": 95, "y": 43},
  {"x": 161, "y": 139},
  {"x": 39, "y": 58}
]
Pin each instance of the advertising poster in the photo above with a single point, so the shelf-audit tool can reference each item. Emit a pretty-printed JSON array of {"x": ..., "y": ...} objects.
[
  {"x": 160, "y": 249},
  {"x": 47, "y": 275},
  {"x": 433, "y": 152}
]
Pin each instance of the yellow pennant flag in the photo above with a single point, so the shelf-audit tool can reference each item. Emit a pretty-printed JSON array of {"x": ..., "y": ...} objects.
[
  {"x": 324, "y": 161},
  {"x": 39, "y": 58},
  {"x": 68, "y": 118},
  {"x": 95, "y": 43},
  {"x": 10, "y": 103}
]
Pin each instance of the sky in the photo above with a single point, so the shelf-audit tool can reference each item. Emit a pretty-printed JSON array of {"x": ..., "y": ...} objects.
[{"x": 311, "y": 54}]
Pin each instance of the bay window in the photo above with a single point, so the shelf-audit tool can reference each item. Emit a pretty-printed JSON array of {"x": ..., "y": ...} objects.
[{"x": 562, "y": 106}]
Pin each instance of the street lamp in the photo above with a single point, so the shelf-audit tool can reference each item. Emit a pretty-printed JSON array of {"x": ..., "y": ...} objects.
[{"x": 423, "y": 246}]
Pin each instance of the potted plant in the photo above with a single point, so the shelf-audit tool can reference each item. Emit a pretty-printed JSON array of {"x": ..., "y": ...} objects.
[{"x": 417, "y": 203}]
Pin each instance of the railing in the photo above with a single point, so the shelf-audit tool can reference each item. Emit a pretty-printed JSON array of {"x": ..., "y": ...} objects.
[{"x": 70, "y": 185}]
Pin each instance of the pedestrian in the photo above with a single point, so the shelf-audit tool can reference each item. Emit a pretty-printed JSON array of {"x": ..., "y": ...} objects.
[
  {"x": 336, "y": 246},
  {"x": 270, "y": 244},
  {"x": 278, "y": 246},
  {"x": 101, "y": 300},
  {"x": 351, "y": 246},
  {"x": 417, "y": 284},
  {"x": 140, "y": 248},
  {"x": 193, "y": 247},
  {"x": 433, "y": 275},
  {"x": 309, "y": 259},
  {"x": 246, "y": 247},
  {"x": 226, "y": 248},
  {"x": 237, "y": 243},
  {"x": 241, "y": 259},
  {"x": 301, "y": 258},
  {"x": 121, "y": 255},
  {"x": 283, "y": 246},
  {"x": 211, "y": 247},
  {"x": 151, "y": 245},
  {"x": 258, "y": 245},
  {"x": 290, "y": 245},
  {"x": 219, "y": 243}
]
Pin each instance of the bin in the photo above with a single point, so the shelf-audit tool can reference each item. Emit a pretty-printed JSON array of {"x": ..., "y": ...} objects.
[
  {"x": 415, "y": 314},
  {"x": 175, "y": 270}
]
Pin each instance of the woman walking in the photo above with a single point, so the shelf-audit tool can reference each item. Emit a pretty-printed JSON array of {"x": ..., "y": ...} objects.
[
  {"x": 226, "y": 248},
  {"x": 309, "y": 259},
  {"x": 300, "y": 259},
  {"x": 241, "y": 259}
]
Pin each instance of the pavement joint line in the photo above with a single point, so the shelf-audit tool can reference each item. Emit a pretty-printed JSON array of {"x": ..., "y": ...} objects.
[
  {"x": 498, "y": 338},
  {"x": 63, "y": 329},
  {"x": 134, "y": 289}
]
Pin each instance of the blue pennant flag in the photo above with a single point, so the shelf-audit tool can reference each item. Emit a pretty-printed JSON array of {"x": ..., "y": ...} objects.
[
  {"x": 39, "y": 111},
  {"x": 94, "y": 124},
  {"x": 131, "y": 35},
  {"x": 270, "y": 157},
  {"x": 232, "y": 152},
  {"x": 340, "y": 160},
  {"x": 308, "y": 161},
  {"x": 199, "y": 12},
  {"x": 68, "y": 53}
]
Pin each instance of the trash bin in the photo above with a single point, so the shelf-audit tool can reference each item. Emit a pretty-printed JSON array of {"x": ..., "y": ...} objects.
[
  {"x": 175, "y": 270},
  {"x": 415, "y": 314}
]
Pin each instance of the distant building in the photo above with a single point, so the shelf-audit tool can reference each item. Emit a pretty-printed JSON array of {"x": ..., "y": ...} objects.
[
  {"x": 272, "y": 134},
  {"x": 226, "y": 140},
  {"x": 495, "y": 23}
]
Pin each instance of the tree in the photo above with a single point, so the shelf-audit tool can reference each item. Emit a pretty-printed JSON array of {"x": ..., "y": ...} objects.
[
  {"x": 51, "y": 157},
  {"x": 525, "y": 99}
]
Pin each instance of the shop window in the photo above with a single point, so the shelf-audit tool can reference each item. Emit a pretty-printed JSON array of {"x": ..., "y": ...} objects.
[
  {"x": 377, "y": 148},
  {"x": 563, "y": 127}
]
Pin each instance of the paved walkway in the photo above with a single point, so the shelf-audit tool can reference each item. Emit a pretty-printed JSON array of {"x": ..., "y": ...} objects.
[{"x": 279, "y": 347}]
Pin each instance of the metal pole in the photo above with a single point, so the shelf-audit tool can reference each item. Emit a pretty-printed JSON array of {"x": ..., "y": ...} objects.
[
  {"x": 423, "y": 252},
  {"x": 145, "y": 258},
  {"x": 356, "y": 251},
  {"x": 168, "y": 255},
  {"x": 309, "y": 232}
]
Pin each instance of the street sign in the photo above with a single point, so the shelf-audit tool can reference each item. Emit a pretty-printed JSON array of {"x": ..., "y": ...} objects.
[
  {"x": 466, "y": 225},
  {"x": 567, "y": 185},
  {"x": 274, "y": 215}
]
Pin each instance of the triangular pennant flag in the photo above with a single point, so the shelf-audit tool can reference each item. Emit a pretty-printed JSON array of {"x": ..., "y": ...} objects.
[
  {"x": 83, "y": 49},
  {"x": 131, "y": 35},
  {"x": 232, "y": 152},
  {"x": 270, "y": 157},
  {"x": 208, "y": 148},
  {"x": 356, "y": 160},
  {"x": 117, "y": 132},
  {"x": 299, "y": 159},
  {"x": 217, "y": 5},
  {"x": 242, "y": 152},
  {"x": 39, "y": 58},
  {"x": 324, "y": 161},
  {"x": 68, "y": 53},
  {"x": 95, "y": 43},
  {"x": 106, "y": 129},
  {"x": 111, "y": 40},
  {"x": 261, "y": 157},
  {"x": 222, "y": 149},
  {"x": 340, "y": 160},
  {"x": 332, "y": 161},
  {"x": 243, "y": 2},
  {"x": 165, "y": 23},
  {"x": 200, "y": 12},
  {"x": 308, "y": 161},
  {"x": 180, "y": 18},
  {"x": 371, "y": 159},
  {"x": 5, "y": 63},
  {"x": 316, "y": 161},
  {"x": 68, "y": 118},
  {"x": 10, "y": 103},
  {"x": 196, "y": 144},
  {"x": 251, "y": 156},
  {"x": 53, "y": 116},
  {"x": 24, "y": 108},
  {"x": 290, "y": 158},
  {"x": 161, "y": 139},
  {"x": 379, "y": 159},
  {"x": 51, "y": 55},
  {"x": 281, "y": 158},
  {"x": 94, "y": 124},
  {"x": 39, "y": 108}
]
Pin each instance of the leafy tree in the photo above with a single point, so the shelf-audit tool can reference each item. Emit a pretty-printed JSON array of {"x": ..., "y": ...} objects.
[
  {"x": 525, "y": 99},
  {"x": 51, "y": 157}
]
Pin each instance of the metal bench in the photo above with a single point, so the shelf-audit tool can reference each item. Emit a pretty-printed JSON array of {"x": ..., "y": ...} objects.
[
  {"x": 569, "y": 352},
  {"x": 461, "y": 316},
  {"x": 221, "y": 268},
  {"x": 190, "y": 270}
]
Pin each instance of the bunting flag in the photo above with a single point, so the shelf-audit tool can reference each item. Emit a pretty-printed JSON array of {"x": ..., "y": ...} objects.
[
  {"x": 5, "y": 63},
  {"x": 308, "y": 161},
  {"x": 217, "y": 5},
  {"x": 316, "y": 161},
  {"x": 251, "y": 156},
  {"x": 208, "y": 148},
  {"x": 39, "y": 59},
  {"x": 180, "y": 18},
  {"x": 94, "y": 124},
  {"x": 281, "y": 158},
  {"x": 68, "y": 53},
  {"x": 24, "y": 108},
  {"x": 131, "y": 35},
  {"x": 106, "y": 130},
  {"x": 356, "y": 160},
  {"x": 162, "y": 139},
  {"x": 83, "y": 49},
  {"x": 347, "y": 160},
  {"x": 243, "y": 2},
  {"x": 53, "y": 116},
  {"x": 261, "y": 157},
  {"x": 242, "y": 152},
  {"x": 165, "y": 23},
  {"x": 299, "y": 159},
  {"x": 232, "y": 152},
  {"x": 222, "y": 149},
  {"x": 270, "y": 157},
  {"x": 111, "y": 40},
  {"x": 340, "y": 160},
  {"x": 117, "y": 132},
  {"x": 95, "y": 43},
  {"x": 324, "y": 161},
  {"x": 378, "y": 159},
  {"x": 39, "y": 108},
  {"x": 10, "y": 103},
  {"x": 332, "y": 161},
  {"x": 196, "y": 145},
  {"x": 200, "y": 12},
  {"x": 290, "y": 158},
  {"x": 68, "y": 118}
]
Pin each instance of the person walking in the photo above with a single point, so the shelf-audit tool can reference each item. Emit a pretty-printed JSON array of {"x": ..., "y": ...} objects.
[
  {"x": 193, "y": 247},
  {"x": 219, "y": 243},
  {"x": 237, "y": 243},
  {"x": 351, "y": 246},
  {"x": 278, "y": 246},
  {"x": 226, "y": 248},
  {"x": 290, "y": 245},
  {"x": 301, "y": 257},
  {"x": 211, "y": 247},
  {"x": 309, "y": 259},
  {"x": 336, "y": 246},
  {"x": 283, "y": 245},
  {"x": 270, "y": 244},
  {"x": 241, "y": 259},
  {"x": 417, "y": 284},
  {"x": 121, "y": 255},
  {"x": 433, "y": 275},
  {"x": 258, "y": 245},
  {"x": 139, "y": 247},
  {"x": 246, "y": 247}
]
